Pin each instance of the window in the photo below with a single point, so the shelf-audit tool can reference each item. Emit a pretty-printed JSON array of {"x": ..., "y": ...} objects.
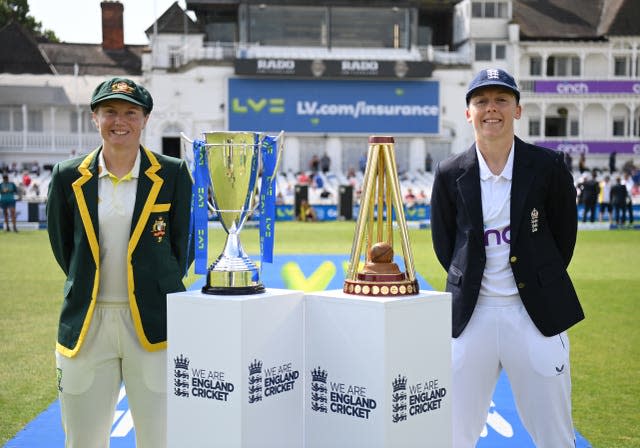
[
  {"x": 5, "y": 119},
  {"x": 535, "y": 66},
  {"x": 555, "y": 127},
  {"x": 369, "y": 27},
  {"x": 489, "y": 52},
  {"x": 34, "y": 119},
  {"x": 175, "y": 57},
  {"x": 618, "y": 127},
  {"x": 534, "y": 126},
  {"x": 85, "y": 122},
  {"x": 574, "y": 128},
  {"x": 563, "y": 66},
  {"x": 281, "y": 25},
  {"x": 489, "y": 9},
  {"x": 483, "y": 52},
  {"x": 620, "y": 66},
  {"x": 10, "y": 119}
]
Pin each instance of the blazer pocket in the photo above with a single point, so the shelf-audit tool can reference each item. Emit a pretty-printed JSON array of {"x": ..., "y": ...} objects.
[
  {"x": 454, "y": 276},
  {"x": 159, "y": 208}
]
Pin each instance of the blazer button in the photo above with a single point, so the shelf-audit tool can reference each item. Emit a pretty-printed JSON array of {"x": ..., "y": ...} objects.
[
  {"x": 520, "y": 285},
  {"x": 513, "y": 259}
]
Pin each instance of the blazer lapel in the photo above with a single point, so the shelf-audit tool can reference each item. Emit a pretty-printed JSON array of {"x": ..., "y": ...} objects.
[
  {"x": 85, "y": 189},
  {"x": 522, "y": 178},
  {"x": 469, "y": 186},
  {"x": 149, "y": 184}
]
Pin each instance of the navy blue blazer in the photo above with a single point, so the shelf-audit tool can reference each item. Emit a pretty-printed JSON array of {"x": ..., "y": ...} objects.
[{"x": 543, "y": 235}]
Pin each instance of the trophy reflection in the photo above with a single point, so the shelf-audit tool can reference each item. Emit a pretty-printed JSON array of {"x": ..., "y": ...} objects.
[
  {"x": 233, "y": 162},
  {"x": 380, "y": 202}
]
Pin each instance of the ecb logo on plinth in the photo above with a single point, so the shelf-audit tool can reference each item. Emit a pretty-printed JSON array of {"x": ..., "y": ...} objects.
[
  {"x": 381, "y": 200},
  {"x": 336, "y": 397},
  {"x": 276, "y": 381},
  {"x": 226, "y": 168},
  {"x": 412, "y": 400},
  {"x": 199, "y": 383}
]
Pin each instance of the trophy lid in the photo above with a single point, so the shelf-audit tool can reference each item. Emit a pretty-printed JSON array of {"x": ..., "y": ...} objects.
[{"x": 380, "y": 139}]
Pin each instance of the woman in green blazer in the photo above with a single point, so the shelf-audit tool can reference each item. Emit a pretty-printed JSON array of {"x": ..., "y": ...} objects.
[{"x": 118, "y": 222}]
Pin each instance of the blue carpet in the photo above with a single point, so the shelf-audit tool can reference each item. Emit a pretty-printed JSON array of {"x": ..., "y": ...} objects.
[{"x": 503, "y": 428}]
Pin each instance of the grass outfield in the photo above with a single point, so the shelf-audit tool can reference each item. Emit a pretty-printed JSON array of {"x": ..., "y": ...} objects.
[{"x": 605, "y": 348}]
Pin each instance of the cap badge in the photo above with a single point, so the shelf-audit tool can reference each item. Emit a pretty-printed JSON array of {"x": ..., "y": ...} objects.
[
  {"x": 122, "y": 87},
  {"x": 493, "y": 74}
]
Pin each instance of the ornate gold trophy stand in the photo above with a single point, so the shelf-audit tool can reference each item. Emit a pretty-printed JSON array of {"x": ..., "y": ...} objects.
[{"x": 380, "y": 200}]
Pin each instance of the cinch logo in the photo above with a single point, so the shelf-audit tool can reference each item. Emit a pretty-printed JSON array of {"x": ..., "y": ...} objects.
[
  {"x": 574, "y": 148},
  {"x": 576, "y": 87},
  {"x": 498, "y": 236},
  {"x": 273, "y": 105}
]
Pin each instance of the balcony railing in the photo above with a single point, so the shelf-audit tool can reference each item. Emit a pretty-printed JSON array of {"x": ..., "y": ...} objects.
[
  {"x": 47, "y": 142},
  {"x": 228, "y": 51}
]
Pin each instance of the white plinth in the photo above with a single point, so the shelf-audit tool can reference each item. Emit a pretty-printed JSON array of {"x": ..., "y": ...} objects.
[
  {"x": 217, "y": 401},
  {"x": 356, "y": 350}
]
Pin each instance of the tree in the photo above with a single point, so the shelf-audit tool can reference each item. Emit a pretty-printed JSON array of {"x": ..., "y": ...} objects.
[{"x": 18, "y": 10}]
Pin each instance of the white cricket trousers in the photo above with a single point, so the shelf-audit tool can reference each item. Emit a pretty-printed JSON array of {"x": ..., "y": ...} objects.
[
  {"x": 500, "y": 335},
  {"x": 90, "y": 382}
]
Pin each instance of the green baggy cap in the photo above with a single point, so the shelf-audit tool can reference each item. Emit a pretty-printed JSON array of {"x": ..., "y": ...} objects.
[{"x": 122, "y": 89}]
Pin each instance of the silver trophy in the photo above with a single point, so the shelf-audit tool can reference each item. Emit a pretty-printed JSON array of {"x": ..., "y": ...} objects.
[{"x": 233, "y": 161}]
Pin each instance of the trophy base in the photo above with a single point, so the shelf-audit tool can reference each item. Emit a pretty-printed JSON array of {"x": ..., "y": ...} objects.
[
  {"x": 233, "y": 283},
  {"x": 233, "y": 290},
  {"x": 381, "y": 288}
]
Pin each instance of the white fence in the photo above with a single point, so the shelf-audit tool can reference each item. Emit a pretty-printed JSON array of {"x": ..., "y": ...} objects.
[{"x": 47, "y": 142}]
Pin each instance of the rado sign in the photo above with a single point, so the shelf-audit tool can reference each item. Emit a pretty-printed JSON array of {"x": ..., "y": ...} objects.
[{"x": 331, "y": 68}]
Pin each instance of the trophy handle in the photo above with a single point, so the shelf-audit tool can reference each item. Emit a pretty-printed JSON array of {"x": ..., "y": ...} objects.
[
  {"x": 189, "y": 158},
  {"x": 279, "y": 150},
  {"x": 184, "y": 137},
  {"x": 280, "y": 140}
]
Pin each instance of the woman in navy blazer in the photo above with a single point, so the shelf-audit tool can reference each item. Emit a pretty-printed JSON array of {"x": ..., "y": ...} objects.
[{"x": 504, "y": 224}]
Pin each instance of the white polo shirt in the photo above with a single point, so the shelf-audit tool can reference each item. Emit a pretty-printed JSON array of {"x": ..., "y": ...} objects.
[
  {"x": 116, "y": 199},
  {"x": 497, "y": 279}
]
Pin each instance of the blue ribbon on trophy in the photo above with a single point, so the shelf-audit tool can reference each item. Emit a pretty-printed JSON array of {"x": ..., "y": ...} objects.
[
  {"x": 268, "y": 198},
  {"x": 199, "y": 206}
]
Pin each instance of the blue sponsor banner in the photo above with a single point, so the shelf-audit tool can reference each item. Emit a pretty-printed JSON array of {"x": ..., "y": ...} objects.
[{"x": 393, "y": 107}]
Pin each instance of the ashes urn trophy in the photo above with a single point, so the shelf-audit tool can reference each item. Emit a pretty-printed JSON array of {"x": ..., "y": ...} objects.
[
  {"x": 381, "y": 200},
  {"x": 231, "y": 163}
]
